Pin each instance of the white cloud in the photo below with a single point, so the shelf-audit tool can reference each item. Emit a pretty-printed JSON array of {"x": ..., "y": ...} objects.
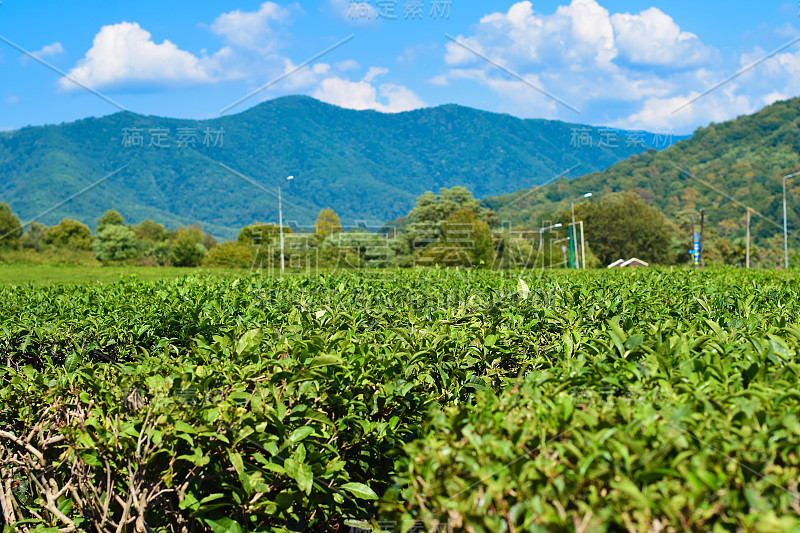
[
  {"x": 374, "y": 72},
  {"x": 125, "y": 55},
  {"x": 653, "y": 38},
  {"x": 685, "y": 112},
  {"x": 440, "y": 80},
  {"x": 49, "y": 50},
  {"x": 773, "y": 97},
  {"x": 321, "y": 68},
  {"x": 347, "y": 64},
  {"x": 607, "y": 65},
  {"x": 251, "y": 30},
  {"x": 578, "y": 35},
  {"x": 360, "y": 95},
  {"x": 591, "y": 28}
]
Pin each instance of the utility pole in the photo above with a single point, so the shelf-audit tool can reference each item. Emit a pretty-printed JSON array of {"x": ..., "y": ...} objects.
[
  {"x": 280, "y": 221},
  {"x": 785, "y": 230},
  {"x": 695, "y": 260},
  {"x": 280, "y": 224},
  {"x": 541, "y": 242},
  {"x": 574, "y": 243},
  {"x": 747, "y": 260},
  {"x": 583, "y": 248},
  {"x": 702, "y": 228}
]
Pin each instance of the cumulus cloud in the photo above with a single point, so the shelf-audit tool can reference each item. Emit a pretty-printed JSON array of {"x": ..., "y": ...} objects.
[
  {"x": 49, "y": 50},
  {"x": 251, "y": 30},
  {"x": 347, "y": 64},
  {"x": 685, "y": 111},
  {"x": 585, "y": 56},
  {"x": 579, "y": 35},
  {"x": 125, "y": 54},
  {"x": 653, "y": 38},
  {"x": 361, "y": 95}
]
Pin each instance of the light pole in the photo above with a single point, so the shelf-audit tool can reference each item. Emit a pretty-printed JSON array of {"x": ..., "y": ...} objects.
[
  {"x": 747, "y": 252},
  {"x": 574, "y": 239},
  {"x": 280, "y": 220},
  {"x": 785, "y": 230},
  {"x": 541, "y": 242}
]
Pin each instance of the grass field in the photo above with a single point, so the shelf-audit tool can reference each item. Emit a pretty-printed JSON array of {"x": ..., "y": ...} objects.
[
  {"x": 21, "y": 274},
  {"x": 637, "y": 400}
]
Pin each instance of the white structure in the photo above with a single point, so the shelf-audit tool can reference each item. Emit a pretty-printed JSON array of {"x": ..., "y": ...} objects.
[{"x": 632, "y": 262}]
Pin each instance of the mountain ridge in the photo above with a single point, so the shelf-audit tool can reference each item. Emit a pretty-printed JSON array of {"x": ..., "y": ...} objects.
[{"x": 366, "y": 165}]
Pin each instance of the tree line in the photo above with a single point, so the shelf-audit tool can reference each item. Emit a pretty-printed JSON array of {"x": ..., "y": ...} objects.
[{"x": 450, "y": 228}]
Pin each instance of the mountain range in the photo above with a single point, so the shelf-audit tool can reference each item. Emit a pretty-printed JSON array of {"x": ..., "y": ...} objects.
[{"x": 223, "y": 173}]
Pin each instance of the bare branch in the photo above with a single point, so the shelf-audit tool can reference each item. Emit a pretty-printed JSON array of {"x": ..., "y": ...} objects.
[{"x": 19, "y": 442}]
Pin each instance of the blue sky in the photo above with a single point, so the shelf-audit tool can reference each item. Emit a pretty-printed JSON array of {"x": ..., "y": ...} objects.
[{"x": 604, "y": 62}]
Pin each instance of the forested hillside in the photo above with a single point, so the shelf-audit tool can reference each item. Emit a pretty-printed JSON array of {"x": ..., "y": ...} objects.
[
  {"x": 223, "y": 173},
  {"x": 722, "y": 168}
]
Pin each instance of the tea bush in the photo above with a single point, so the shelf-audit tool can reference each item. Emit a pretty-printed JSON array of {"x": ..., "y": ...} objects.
[{"x": 418, "y": 400}]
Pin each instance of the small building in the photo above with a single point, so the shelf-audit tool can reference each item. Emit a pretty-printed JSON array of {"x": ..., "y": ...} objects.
[{"x": 632, "y": 262}]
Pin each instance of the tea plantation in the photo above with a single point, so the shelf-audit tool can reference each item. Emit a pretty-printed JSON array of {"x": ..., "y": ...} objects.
[{"x": 425, "y": 400}]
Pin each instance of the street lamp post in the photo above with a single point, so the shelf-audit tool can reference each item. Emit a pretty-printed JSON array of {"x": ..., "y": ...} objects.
[
  {"x": 574, "y": 237},
  {"x": 785, "y": 230},
  {"x": 541, "y": 242},
  {"x": 280, "y": 221}
]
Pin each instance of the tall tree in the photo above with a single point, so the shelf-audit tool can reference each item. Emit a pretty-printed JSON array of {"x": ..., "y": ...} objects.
[
  {"x": 435, "y": 208},
  {"x": 34, "y": 236},
  {"x": 115, "y": 242},
  {"x": 71, "y": 234},
  {"x": 151, "y": 231},
  {"x": 466, "y": 240},
  {"x": 256, "y": 234},
  {"x": 187, "y": 247},
  {"x": 10, "y": 226},
  {"x": 109, "y": 218},
  {"x": 624, "y": 226},
  {"x": 327, "y": 223}
]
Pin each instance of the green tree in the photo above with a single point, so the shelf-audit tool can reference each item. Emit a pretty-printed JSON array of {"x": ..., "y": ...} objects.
[
  {"x": 109, "y": 218},
  {"x": 466, "y": 240},
  {"x": 436, "y": 208},
  {"x": 258, "y": 234},
  {"x": 10, "y": 226},
  {"x": 209, "y": 241},
  {"x": 34, "y": 236},
  {"x": 327, "y": 223},
  {"x": 232, "y": 254},
  {"x": 155, "y": 253},
  {"x": 70, "y": 234},
  {"x": 624, "y": 226},
  {"x": 115, "y": 243},
  {"x": 356, "y": 249},
  {"x": 187, "y": 247},
  {"x": 151, "y": 231}
]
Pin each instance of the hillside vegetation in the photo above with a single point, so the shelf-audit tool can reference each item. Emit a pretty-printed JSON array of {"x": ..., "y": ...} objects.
[
  {"x": 223, "y": 173},
  {"x": 722, "y": 168}
]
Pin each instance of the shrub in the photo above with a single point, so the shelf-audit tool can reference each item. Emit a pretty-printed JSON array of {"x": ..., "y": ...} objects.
[{"x": 229, "y": 254}]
